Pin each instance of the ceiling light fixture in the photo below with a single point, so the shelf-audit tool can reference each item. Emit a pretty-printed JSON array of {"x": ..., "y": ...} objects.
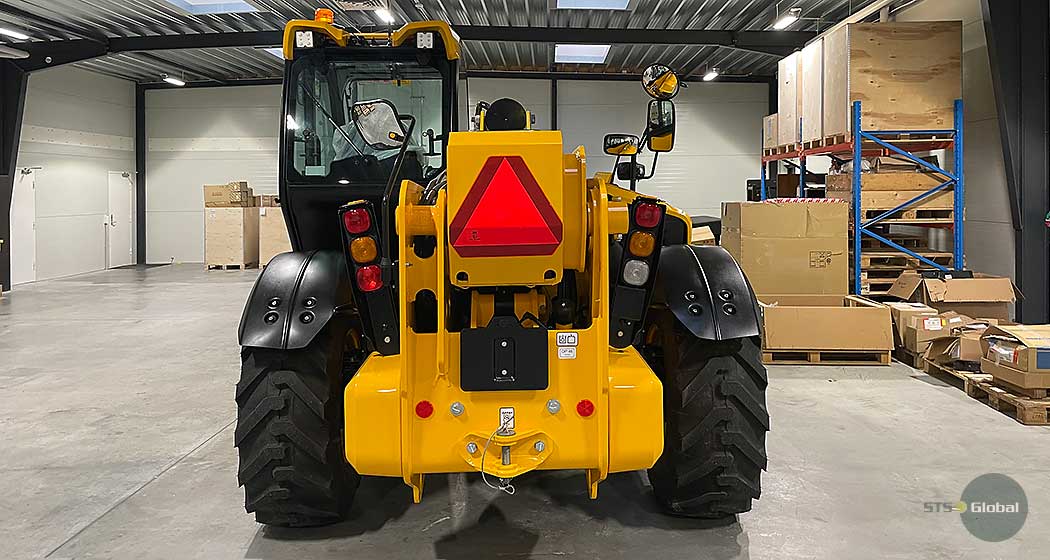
[
  {"x": 791, "y": 16},
  {"x": 13, "y": 34},
  {"x": 385, "y": 15},
  {"x": 174, "y": 81},
  {"x": 711, "y": 74},
  {"x": 581, "y": 54},
  {"x": 203, "y": 7}
]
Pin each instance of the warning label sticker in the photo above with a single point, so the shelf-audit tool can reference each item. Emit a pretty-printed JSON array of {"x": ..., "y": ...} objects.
[
  {"x": 567, "y": 338},
  {"x": 567, "y": 353}
]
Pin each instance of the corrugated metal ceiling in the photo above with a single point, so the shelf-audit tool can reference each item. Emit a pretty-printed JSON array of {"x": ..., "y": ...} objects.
[{"x": 69, "y": 19}]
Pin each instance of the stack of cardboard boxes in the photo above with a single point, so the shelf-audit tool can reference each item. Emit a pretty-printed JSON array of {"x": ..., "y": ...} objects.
[
  {"x": 794, "y": 253},
  {"x": 241, "y": 229}
]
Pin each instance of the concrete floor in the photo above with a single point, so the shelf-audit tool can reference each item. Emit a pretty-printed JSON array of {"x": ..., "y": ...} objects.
[{"x": 116, "y": 409}]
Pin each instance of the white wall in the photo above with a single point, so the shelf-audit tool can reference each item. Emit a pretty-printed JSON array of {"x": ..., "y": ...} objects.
[
  {"x": 716, "y": 148},
  {"x": 198, "y": 137},
  {"x": 535, "y": 95},
  {"x": 988, "y": 231},
  {"x": 78, "y": 126}
]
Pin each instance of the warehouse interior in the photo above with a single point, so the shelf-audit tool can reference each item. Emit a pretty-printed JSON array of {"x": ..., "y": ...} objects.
[{"x": 899, "y": 267}]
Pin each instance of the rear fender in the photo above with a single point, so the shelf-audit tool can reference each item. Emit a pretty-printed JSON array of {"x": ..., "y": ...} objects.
[
  {"x": 707, "y": 291},
  {"x": 293, "y": 299}
]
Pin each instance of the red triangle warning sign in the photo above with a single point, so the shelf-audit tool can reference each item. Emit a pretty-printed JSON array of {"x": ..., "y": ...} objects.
[{"x": 505, "y": 214}]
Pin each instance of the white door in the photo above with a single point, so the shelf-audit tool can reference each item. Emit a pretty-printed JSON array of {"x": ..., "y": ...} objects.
[
  {"x": 23, "y": 228},
  {"x": 120, "y": 226}
]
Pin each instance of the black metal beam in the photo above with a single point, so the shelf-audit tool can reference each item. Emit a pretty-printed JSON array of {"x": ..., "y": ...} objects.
[
  {"x": 777, "y": 43},
  {"x": 595, "y": 76},
  {"x": 140, "y": 174},
  {"x": 196, "y": 41},
  {"x": 1018, "y": 34},
  {"x": 207, "y": 84},
  {"x": 13, "y": 82}
]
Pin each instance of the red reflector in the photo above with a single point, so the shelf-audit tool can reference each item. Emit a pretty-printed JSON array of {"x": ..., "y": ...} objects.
[
  {"x": 585, "y": 408},
  {"x": 505, "y": 214},
  {"x": 647, "y": 214},
  {"x": 357, "y": 220},
  {"x": 369, "y": 278},
  {"x": 424, "y": 409}
]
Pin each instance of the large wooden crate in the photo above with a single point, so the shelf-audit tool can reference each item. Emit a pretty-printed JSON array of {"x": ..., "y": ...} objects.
[
  {"x": 789, "y": 98},
  {"x": 906, "y": 75},
  {"x": 273, "y": 234},
  {"x": 885, "y": 181},
  {"x": 769, "y": 132},
  {"x": 231, "y": 237},
  {"x": 812, "y": 58}
]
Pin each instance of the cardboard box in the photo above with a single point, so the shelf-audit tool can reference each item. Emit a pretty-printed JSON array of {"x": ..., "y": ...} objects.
[
  {"x": 789, "y": 247},
  {"x": 963, "y": 345},
  {"x": 903, "y": 314},
  {"x": 231, "y": 237},
  {"x": 980, "y": 296},
  {"x": 273, "y": 234},
  {"x": 702, "y": 236},
  {"x": 825, "y": 322},
  {"x": 925, "y": 329},
  {"x": 235, "y": 194},
  {"x": 1024, "y": 348}
]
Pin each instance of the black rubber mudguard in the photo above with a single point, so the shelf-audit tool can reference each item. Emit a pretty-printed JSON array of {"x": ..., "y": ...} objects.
[
  {"x": 293, "y": 299},
  {"x": 706, "y": 290}
]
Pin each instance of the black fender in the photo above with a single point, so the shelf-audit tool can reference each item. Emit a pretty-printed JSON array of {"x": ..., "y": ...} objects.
[
  {"x": 707, "y": 291},
  {"x": 294, "y": 298}
]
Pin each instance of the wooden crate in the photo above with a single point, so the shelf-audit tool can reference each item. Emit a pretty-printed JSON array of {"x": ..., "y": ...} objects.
[
  {"x": 789, "y": 99},
  {"x": 843, "y": 182},
  {"x": 273, "y": 234},
  {"x": 812, "y": 72},
  {"x": 907, "y": 75},
  {"x": 769, "y": 132},
  {"x": 231, "y": 237}
]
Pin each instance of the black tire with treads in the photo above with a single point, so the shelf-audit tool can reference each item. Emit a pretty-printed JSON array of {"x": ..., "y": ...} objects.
[
  {"x": 715, "y": 423},
  {"x": 289, "y": 436}
]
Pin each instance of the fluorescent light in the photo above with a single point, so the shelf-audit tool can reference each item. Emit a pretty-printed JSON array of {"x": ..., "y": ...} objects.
[
  {"x": 276, "y": 51},
  {"x": 174, "y": 81},
  {"x": 199, "y": 7},
  {"x": 290, "y": 122},
  {"x": 592, "y": 4},
  {"x": 787, "y": 19},
  {"x": 344, "y": 182},
  {"x": 711, "y": 74},
  {"x": 581, "y": 54},
  {"x": 385, "y": 15},
  {"x": 13, "y": 34}
]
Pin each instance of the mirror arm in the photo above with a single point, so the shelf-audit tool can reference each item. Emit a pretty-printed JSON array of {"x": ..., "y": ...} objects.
[
  {"x": 634, "y": 167},
  {"x": 388, "y": 195},
  {"x": 652, "y": 171}
]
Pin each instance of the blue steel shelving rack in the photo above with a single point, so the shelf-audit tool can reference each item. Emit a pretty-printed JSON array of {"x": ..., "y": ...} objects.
[{"x": 878, "y": 145}]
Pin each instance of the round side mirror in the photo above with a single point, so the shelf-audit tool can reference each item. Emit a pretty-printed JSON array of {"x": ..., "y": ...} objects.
[{"x": 660, "y": 82}]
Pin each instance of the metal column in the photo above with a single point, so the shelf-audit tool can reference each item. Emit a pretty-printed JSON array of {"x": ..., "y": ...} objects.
[
  {"x": 13, "y": 81},
  {"x": 858, "y": 143},
  {"x": 1018, "y": 33}
]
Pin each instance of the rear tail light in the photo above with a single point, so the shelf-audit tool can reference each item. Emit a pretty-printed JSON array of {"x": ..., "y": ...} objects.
[
  {"x": 636, "y": 273},
  {"x": 369, "y": 278},
  {"x": 647, "y": 214},
  {"x": 585, "y": 408},
  {"x": 357, "y": 220},
  {"x": 363, "y": 250},
  {"x": 641, "y": 244}
]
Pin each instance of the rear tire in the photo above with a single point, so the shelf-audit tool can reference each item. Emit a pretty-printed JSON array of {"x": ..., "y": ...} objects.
[
  {"x": 290, "y": 435},
  {"x": 715, "y": 423}
]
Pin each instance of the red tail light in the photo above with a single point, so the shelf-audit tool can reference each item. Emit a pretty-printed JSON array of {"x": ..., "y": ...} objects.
[
  {"x": 424, "y": 409},
  {"x": 647, "y": 214},
  {"x": 585, "y": 408},
  {"x": 369, "y": 278},
  {"x": 357, "y": 220}
]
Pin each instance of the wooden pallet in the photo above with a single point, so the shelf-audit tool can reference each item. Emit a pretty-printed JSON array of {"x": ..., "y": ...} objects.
[
  {"x": 1026, "y": 410},
  {"x": 958, "y": 378},
  {"x": 910, "y": 215},
  {"x": 826, "y": 357},
  {"x": 900, "y": 261},
  {"x": 231, "y": 266},
  {"x": 784, "y": 149},
  {"x": 907, "y": 357},
  {"x": 914, "y": 242}
]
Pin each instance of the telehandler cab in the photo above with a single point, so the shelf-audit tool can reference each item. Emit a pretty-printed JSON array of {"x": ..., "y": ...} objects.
[{"x": 473, "y": 302}]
